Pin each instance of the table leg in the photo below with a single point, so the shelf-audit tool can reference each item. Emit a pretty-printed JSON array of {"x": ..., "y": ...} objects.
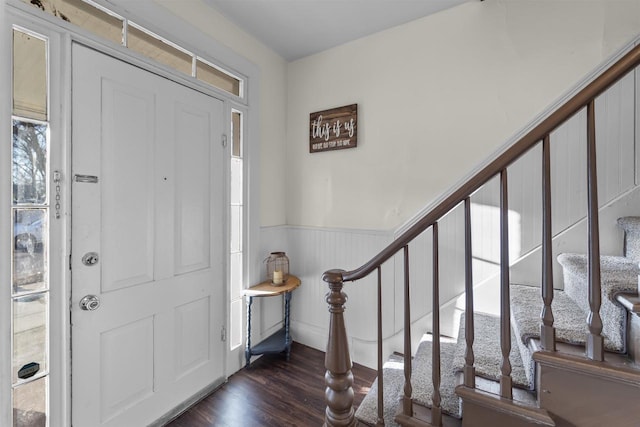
[
  {"x": 247, "y": 351},
  {"x": 287, "y": 333}
]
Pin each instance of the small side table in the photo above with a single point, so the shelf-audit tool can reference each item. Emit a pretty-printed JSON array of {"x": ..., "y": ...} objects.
[{"x": 280, "y": 340}]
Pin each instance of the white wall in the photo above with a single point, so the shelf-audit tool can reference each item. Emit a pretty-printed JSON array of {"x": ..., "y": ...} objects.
[
  {"x": 314, "y": 250},
  {"x": 475, "y": 63},
  {"x": 436, "y": 97}
]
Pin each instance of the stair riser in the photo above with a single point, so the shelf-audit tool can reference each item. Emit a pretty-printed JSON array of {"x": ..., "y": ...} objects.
[
  {"x": 581, "y": 399},
  {"x": 631, "y": 227},
  {"x": 481, "y": 416}
]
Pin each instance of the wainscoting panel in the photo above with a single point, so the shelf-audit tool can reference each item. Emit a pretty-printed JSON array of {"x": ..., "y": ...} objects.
[
  {"x": 312, "y": 251},
  {"x": 615, "y": 133}
]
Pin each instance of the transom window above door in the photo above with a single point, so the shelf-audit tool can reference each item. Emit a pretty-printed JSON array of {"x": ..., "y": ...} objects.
[{"x": 109, "y": 25}]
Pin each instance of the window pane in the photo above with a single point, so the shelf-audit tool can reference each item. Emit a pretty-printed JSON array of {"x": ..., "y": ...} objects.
[
  {"x": 217, "y": 78},
  {"x": 156, "y": 49},
  {"x": 235, "y": 335},
  {"x": 236, "y": 131},
  {"x": 29, "y": 158},
  {"x": 236, "y": 228},
  {"x": 29, "y": 250},
  {"x": 236, "y": 181},
  {"x": 91, "y": 18},
  {"x": 29, "y": 76},
  {"x": 30, "y": 404},
  {"x": 236, "y": 276},
  {"x": 29, "y": 333},
  {"x": 85, "y": 16}
]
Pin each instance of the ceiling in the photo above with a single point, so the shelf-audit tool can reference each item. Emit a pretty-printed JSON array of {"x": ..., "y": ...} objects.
[{"x": 298, "y": 28}]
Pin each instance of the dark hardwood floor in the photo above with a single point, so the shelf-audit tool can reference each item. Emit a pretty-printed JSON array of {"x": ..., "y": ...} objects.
[{"x": 273, "y": 392}]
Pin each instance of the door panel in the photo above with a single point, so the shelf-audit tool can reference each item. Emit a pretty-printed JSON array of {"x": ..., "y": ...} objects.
[
  {"x": 192, "y": 342},
  {"x": 155, "y": 218},
  {"x": 128, "y": 128},
  {"x": 124, "y": 383},
  {"x": 193, "y": 192}
]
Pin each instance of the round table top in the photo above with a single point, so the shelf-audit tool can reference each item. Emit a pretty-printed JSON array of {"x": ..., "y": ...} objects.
[{"x": 268, "y": 289}]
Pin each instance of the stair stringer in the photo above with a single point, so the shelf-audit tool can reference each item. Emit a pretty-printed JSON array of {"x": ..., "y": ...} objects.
[{"x": 577, "y": 391}]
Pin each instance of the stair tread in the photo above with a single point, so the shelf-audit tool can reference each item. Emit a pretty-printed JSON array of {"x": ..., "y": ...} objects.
[
  {"x": 612, "y": 268},
  {"x": 618, "y": 275},
  {"x": 487, "y": 351},
  {"x": 393, "y": 371},
  {"x": 487, "y": 364},
  {"x": 422, "y": 376},
  {"x": 570, "y": 321}
]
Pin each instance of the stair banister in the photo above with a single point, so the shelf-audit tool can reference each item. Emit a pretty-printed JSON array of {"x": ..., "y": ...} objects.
[
  {"x": 469, "y": 370},
  {"x": 339, "y": 394},
  {"x": 339, "y": 379},
  {"x": 595, "y": 341},
  {"x": 547, "y": 331},
  {"x": 508, "y": 156},
  {"x": 505, "y": 305},
  {"x": 436, "y": 410},
  {"x": 407, "y": 403},
  {"x": 380, "y": 421}
]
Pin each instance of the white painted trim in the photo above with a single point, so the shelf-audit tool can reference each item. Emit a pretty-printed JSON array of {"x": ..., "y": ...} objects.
[
  {"x": 518, "y": 135},
  {"x": 5, "y": 220},
  {"x": 87, "y": 38},
  {"x": 381, "y": 233},
  {"x": 60, "y": 277},
  {"x": 158, "y": 20},
  {"x": 59, "y": 340},
  {"x": 66, "y": 34}
]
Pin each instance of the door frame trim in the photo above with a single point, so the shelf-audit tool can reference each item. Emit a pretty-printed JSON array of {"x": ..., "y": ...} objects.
[{"x": 62, "y": 36}]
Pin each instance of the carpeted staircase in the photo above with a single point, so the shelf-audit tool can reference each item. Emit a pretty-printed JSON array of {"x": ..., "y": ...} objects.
[{"x": 570, "y": 309}]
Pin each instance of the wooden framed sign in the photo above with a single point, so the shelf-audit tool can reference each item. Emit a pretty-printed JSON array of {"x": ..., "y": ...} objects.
[{"x": 333, "y": 129}]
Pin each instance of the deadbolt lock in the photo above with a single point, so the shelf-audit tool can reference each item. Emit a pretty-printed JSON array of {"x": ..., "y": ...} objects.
[{"x": 90, "y": 258}]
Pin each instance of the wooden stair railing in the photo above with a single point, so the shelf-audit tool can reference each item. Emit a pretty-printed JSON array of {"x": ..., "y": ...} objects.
[{"x": 339, "y": 379}]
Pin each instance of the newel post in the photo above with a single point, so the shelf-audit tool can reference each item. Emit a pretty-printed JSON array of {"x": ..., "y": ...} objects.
[{"x": 339, "y": 393}]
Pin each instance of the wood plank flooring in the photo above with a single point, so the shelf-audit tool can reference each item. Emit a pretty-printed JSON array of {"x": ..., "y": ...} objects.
[{"x": 273, "y": 392}]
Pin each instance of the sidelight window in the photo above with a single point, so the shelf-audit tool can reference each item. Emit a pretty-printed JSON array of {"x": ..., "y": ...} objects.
[
  {"x": 236, "y": 225},
  {"x": 30, "y": 225}
]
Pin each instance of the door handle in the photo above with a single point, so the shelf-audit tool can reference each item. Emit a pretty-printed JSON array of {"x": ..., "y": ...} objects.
[{"x": 90, "y": 303}]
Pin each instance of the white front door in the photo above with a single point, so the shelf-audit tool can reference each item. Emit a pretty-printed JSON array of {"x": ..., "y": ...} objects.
[{"x": 148, "y": 201}]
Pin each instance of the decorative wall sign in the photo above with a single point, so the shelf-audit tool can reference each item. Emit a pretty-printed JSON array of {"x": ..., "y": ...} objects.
[{"x": 333, "y": 129}]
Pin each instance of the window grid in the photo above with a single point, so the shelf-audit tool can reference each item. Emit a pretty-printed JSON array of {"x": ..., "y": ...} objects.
[
  {"x": 30, "y": 209},
  {"x": 107, "y": 24},
  {"x": 236, "y": 225}
]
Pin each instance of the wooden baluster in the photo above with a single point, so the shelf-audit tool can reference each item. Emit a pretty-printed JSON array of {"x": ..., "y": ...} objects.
[
  {"x": 339, "y": 379},
  {"x": 505, "y": 304},
  {"x": 407, "y": 404},
  {"x": 547, "y": 331},
  {"x": 380, "y": 421},
  {"x": 436, "y": 410},
  {"x": 595, "y": 341},
  {"x": 469, "y": 359}
]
